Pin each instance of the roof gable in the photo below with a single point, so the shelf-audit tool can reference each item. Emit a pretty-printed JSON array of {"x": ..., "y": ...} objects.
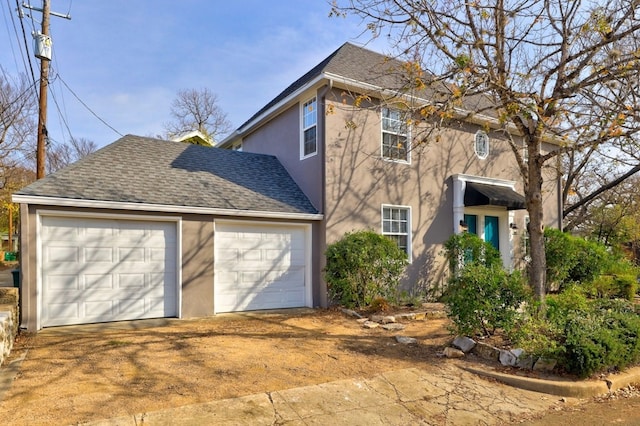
[{"x": 150, "y": 171}]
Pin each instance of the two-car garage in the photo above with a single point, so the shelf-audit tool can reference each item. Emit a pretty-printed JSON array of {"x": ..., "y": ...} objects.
[
  {"x": 145, "y": 228},
  {"x": 101, "y": 269}
]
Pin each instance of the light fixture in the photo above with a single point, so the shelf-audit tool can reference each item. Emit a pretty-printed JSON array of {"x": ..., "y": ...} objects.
[
  {"x": 464, "y": 225},
  {"x": 513, "y": 226}
]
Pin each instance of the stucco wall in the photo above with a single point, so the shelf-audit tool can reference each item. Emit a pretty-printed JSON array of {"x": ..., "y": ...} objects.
[
  {"x": 359, "y": 182},
  {"x": 281, "y": 137}
]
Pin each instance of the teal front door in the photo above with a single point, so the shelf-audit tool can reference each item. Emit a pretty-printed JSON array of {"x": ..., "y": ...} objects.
[{"x": 491, "y": 233}]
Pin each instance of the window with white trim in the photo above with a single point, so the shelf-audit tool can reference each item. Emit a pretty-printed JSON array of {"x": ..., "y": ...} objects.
[
  {"x": 395, "y": 135},
  {"x": 308, "y": 140},
  {"x": 396, "y": 224},
  {"x": 481, "y": 145}
]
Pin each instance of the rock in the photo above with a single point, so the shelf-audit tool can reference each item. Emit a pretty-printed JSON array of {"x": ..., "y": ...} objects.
[
  {"x": 420, "y": 316},
  {"x": 406, "y": 340},
  {"x": 486, "y": 351},
  {"x": 525, "y": 362},
  {"x": 409, "y": 316},
  {"x": 507, "y": 358},
  {"x": 362, "y": 320},
  {"x": 393, "y": 326},
  {"x": 351, "y": 313},
  {"x": 517, "y": 352},
  {"x": 450, "y": 352},
  {"x": 465, "y": 344},
  {"x": 545, "y": 365},
  {"x": 370, "y": 324},
  {"x": 383, "y": 319}
]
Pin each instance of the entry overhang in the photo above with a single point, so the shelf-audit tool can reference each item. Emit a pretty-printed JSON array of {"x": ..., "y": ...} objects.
[{"x": 480, "y": 194}]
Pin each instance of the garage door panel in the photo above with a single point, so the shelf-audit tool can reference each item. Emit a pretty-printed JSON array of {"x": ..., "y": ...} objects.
[
  {"x": 260, "y": 266},
  {"x": 96, "y": 270}
]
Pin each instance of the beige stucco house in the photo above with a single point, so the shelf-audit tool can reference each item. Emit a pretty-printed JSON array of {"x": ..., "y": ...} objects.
[
  {"x": 363, "y": 167},
  {"x": 146, "y": 228}
]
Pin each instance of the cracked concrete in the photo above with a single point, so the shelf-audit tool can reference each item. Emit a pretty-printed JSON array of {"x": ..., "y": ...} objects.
[{"x": 448, "y": 396}]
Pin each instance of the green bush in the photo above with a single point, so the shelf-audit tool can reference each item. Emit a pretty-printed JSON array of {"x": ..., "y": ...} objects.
[
  {"x": 482, "y": 299},
  {"x": 461, "y": 249},
  {"x": 573, "y": 260},
  {"x": 585, "y": 336},
  {"x": 362, "y": 266}
]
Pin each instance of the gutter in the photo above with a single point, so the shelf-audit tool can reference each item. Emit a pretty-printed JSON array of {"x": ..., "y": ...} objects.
[{"x": 166, "y": 208}]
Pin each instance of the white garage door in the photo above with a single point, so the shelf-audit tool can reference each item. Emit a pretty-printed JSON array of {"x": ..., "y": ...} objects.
[
  {"x": 100, "y": 270},
  {"x": 260, "y": 266}
]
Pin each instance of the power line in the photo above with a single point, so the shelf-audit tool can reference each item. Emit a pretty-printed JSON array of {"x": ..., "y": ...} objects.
[{"x": 87, "y": 107}]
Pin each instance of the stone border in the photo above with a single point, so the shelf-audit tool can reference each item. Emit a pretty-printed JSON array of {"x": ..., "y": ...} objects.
[{"x": 8, "y": 320}]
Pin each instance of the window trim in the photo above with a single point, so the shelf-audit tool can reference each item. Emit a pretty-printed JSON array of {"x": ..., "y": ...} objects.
[
  {"x": 303, "y": 129},
  {"x": 481, "y": 133},
  {"x": 409, "y": 232},
  {"x": 407, "y": 135}
]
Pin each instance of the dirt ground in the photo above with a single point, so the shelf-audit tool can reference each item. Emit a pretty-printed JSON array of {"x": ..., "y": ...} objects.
[{"x": 76, "y": 374}]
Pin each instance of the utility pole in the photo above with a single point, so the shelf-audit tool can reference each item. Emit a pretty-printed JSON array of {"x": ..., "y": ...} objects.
[
  {"x": 42, "y": 108},
  {"x": 43, "y": 52}
]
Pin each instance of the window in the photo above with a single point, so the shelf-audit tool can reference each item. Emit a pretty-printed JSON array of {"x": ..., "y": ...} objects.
[
  {"x": 396, "y": 225},
  {"x": 395, "y": 138},
  {"x": 309, "y": 128},
  {"x": 482, "y": 144}
]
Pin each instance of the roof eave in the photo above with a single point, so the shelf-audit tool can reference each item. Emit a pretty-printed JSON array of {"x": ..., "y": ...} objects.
[{"x": 166, "y": 208}]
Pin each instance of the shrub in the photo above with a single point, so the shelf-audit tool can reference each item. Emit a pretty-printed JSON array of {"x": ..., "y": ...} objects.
[
  {"x": 361, "y": 266},
  {"x": 482, "y": 299},
  {"x": 573, "y": 260},
  {"x": 461, "y": 249},
  {"x": 584, "y": 336}
]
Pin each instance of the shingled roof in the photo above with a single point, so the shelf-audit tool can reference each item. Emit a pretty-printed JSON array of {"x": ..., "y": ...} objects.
[
  {"x": 150, "y": 171},
  {"x": 354, "y": 63}
]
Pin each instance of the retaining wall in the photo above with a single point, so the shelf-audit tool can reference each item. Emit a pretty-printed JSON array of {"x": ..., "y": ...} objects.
[{"x": 9, "y": 323}]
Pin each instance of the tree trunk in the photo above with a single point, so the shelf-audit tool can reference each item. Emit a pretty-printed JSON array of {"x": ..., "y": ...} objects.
[{"x": 533, "y": 195}]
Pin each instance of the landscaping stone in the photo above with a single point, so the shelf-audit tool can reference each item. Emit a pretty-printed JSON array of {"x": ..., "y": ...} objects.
[
  {"x": 545, "y": 365},
  {"x": 370, "y": 324},
  {"x": 450, "y": 352},
  {"x": 486, "y": 351},
  {"x": 406, "y": 340},
  {"x": 393, "y": 326},
  {"x": 351, "y": 313},
  {"x": 507, "y": 358},
  {"x": 525, "y": 362},
  {"x": 409, "y": 316},
  {"x": 362, "y": 320},
  {"x": 465, "y": 344}
]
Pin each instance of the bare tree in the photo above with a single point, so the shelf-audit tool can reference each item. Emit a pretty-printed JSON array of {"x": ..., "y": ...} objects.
[
  {"x": 198, "y": 110},
  {"x": 62, "y": 155},
  {"x": 561, "y": 71},
  {"x": 17, "y": 116}
]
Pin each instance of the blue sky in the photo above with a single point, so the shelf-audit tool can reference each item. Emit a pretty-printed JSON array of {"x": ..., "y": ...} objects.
[{"x": 127, "y": 59}]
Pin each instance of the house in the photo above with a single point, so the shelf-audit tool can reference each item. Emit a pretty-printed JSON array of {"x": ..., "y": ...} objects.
[
  {"x": 145, "y": 228},
  {"x": 343, "y": 136}
]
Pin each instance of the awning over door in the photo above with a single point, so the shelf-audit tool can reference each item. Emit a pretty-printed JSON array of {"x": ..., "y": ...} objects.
[{"x": 480, "y": 194}]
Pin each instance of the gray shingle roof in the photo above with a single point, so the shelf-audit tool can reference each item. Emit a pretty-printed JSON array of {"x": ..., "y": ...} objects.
[
  {"x": 137, "y": 169},
  {"x": 363, "y": 65}
]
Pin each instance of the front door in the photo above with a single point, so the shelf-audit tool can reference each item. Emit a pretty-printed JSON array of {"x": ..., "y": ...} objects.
[{"x": 491, "y": 231}]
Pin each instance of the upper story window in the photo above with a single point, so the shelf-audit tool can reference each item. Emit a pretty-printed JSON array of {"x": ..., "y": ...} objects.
[
  {"x": 395, "y": 135},
  {"x": 309, "y": 144},
  {"x": 396, "y": 224},
  {"x": 481, "y": 145}
]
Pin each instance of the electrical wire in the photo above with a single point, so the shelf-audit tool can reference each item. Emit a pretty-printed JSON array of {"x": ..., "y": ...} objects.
[
  {"x": 61, "y": 116},
  {"x": 87, "y": 106}
]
